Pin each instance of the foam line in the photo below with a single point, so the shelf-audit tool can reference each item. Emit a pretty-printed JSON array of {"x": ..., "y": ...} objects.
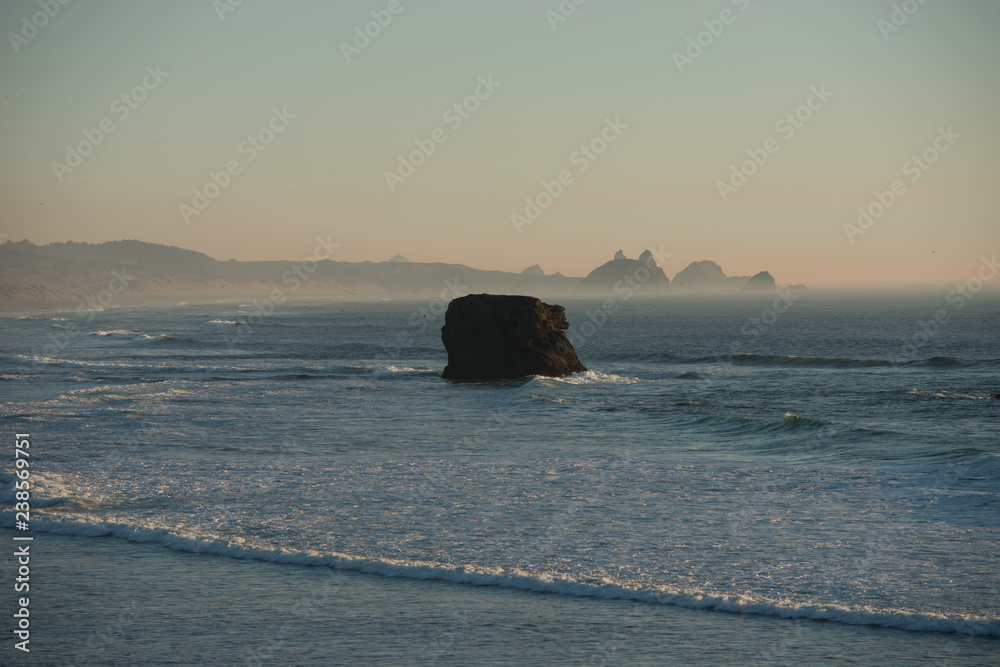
[{"x": 520, "y": 580}]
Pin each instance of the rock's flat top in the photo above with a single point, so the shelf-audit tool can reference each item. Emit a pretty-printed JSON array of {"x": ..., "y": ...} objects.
[{"x": 491, "y": 337}]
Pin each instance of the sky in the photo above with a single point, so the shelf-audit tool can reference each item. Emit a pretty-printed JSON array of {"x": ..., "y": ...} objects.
[{"x": 748, "y": 132}]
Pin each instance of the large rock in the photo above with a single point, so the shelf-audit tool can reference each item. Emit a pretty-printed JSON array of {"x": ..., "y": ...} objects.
[{"x": 492, "y": 337}]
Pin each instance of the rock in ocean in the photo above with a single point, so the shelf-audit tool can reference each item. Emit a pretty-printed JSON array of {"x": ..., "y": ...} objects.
[
  {"x": 762, "y": 282},
  {"x": 494, "y": 337},
  {"x": 621, "y": 273}
]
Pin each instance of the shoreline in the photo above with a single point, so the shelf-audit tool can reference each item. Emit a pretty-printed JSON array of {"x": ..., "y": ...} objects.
[{"x": 164, "y": 606}]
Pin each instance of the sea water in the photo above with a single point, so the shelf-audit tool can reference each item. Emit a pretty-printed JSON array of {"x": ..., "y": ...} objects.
[{"x": 768, "y": 479}]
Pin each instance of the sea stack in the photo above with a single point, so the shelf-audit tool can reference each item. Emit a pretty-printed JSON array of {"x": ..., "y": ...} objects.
[
  {"x": 762, "y": 282},
  {"x": 495, "y": 337},
  {"x": 623, "y": 275}
]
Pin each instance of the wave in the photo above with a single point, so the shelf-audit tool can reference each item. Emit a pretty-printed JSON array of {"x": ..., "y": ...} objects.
[
  {"x": 783, "y": 360},
  {"x": 223, "y": 323},
  {"x": 752, "y": 359},
  {"x": 400, "y": 370},
  {"x": 296, "y": 372},
  {"x": 55, "y": 362},
  {"x": 948, "y": 394},
  {"x": 136, "y": 335},
  {"x": 312, "y": 372},
  {"x": 47, "y": 490},
  {"x": 591, "y": 377},
  {"x": 791, "y": 360},
  {"x": 943, "y": 362},
  {"x": 36, "y": 361},
  {"x": 146, "y": 338},
  {"x": 517, "y": 579},
  {"x": 384, "y": 372},
  {"x": 731, "y": 424},
  {"x": 116, "y": 332},
  {"x": 643, "y": 358},
  {"x": 793, "y": 422}
]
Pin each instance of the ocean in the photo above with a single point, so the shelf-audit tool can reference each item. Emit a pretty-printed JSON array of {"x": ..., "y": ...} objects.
[{"x": 807, "y": 477}]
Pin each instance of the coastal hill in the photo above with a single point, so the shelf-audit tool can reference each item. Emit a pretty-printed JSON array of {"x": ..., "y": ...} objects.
[
  {"x": 39, "y": 275},
  {"x": 75, "y": 271}
]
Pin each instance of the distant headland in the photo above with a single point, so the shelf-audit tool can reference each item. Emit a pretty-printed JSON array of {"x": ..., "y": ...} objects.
[{"x": 60, "y": 273}]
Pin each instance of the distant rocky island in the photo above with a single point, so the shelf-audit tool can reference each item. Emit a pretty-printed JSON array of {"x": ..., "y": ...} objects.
[
  {"x": 622, "y": 273},
  {"x": 62, "y": 273},
  {"x": 708, "y": 276},
  {"x": 762, "y": 282},
  {"x": 646, "y": 276}
]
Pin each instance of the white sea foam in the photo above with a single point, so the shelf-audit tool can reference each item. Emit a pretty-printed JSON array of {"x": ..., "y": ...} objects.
[
  {"x": 595, "y": 377},
  {"x": 223, "y": 323},
  {"x": 520, "y": 580},
  {"x": 74, "y": 363},
  {"x": 404, "y": 370},
  {"x": 47, "y": 490},
  {"x": 945, "y": 394},
  {"x": 116, "y": 332},
  {"x": 146, "y": 338},
  {"x": 55, "y": 362}
]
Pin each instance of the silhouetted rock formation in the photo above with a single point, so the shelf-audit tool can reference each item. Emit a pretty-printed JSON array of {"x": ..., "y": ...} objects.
[
  {"x": 535, "y": 270},
  {"x": 699, "y": 274},
  {"x": 625, "y": 276},
  {"x": 762, "y": 282},
  {"x": 493, "y": 337},
  {"x": 709, "y": 277},
  {"x": 399, "y": 259}
]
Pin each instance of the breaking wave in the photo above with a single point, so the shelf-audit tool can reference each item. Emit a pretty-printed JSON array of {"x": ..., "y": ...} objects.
[{"x": 592, "y": 587}]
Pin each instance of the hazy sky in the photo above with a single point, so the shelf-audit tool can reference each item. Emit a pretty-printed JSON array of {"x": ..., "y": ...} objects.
[{"x": 673, "y": 129}]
